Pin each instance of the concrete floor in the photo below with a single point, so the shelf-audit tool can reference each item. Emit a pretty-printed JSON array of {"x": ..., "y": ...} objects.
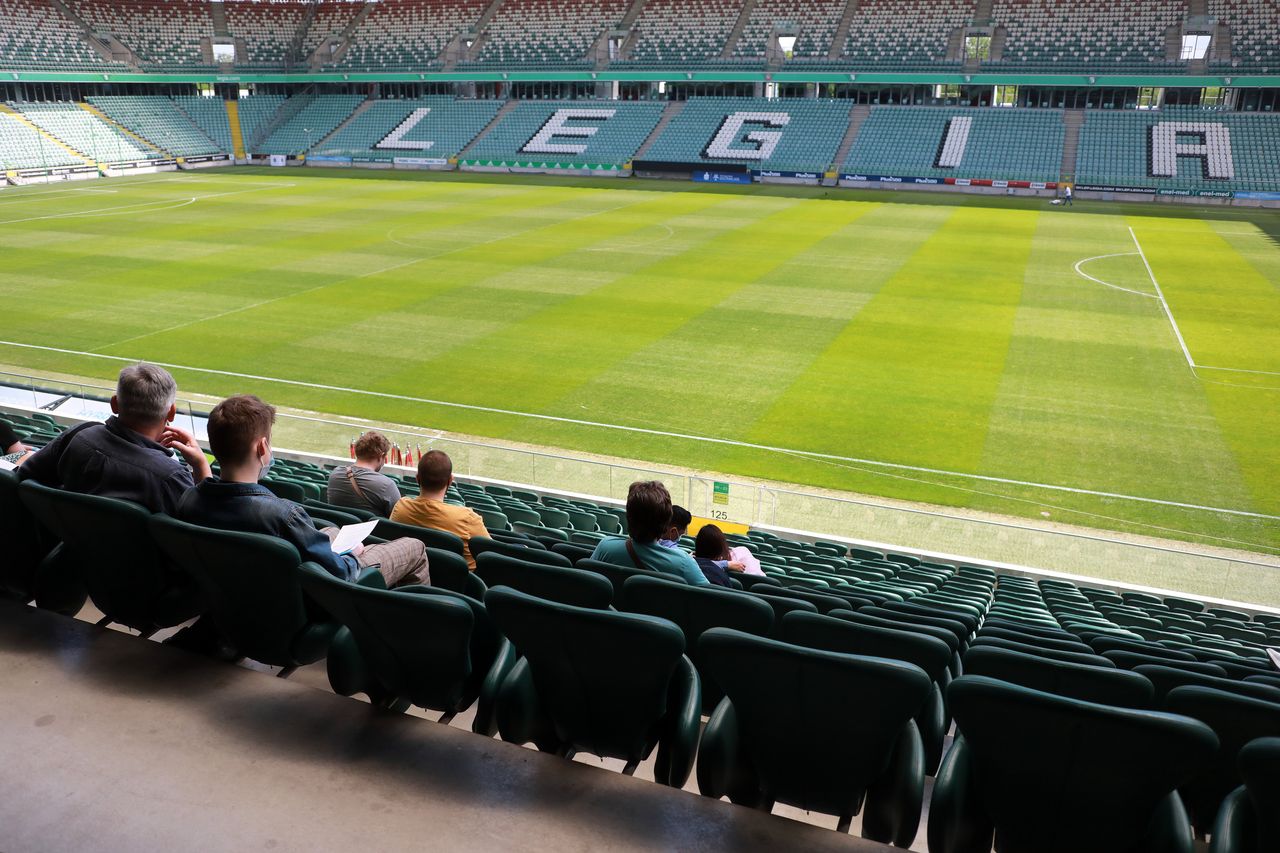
[{"x": 316, "y": 677}]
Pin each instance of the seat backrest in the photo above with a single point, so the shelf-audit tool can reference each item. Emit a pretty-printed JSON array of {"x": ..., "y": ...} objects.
[
  {"x": 1104, "y": 644},
  {"x": 555, "y": 583},
  {"x": 483, "y": 544},
  {"x": 120, "y": 564},
  {"x": 601, "y": 676},
  {"x": 862, "y": 617},
  {"x": 1236, "y": 720},
  {"x": 1105, "y": 685},
  {"x": 1087, "y": 658},
  {"x": 840, "y": 635},
  {"x": 447, "y": 569},
  {"x": 1040, "y": 761},
  {"x": 249, "y": 581},
  {"x": 805, "y": 717},
  {"x": 695, "y": 609},
  {"x": 1260, "y": 768},
  {"x": 287, "y": 489},
  {"x": 616, "y": 574},
  {"x": 441, "y": 539},
  {"x": 25, "y": 544},
  {"x": 1131, "y": 660},
  {"x": 888, "y": 611},
  {"x": 1167, "y": 678},
  {"x": 825, "y": 602},
  {"x": 417, "y": 646},
  {"x": 1036, "y": 639},
  {"x": 782, "y": 605}
]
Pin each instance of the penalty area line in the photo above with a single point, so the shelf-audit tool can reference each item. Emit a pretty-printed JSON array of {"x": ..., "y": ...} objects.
[{"x": 647, "y": 431}]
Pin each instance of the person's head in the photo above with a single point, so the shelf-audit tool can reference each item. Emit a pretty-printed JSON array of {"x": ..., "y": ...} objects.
[
  {"x": 679, "y": 525},
  {"x": 145, "y": 396},
  {"x": 710, "y": 543},
  {"x": 435, "y": 472},
  {"x": 240, "y": 433},
  {"x": 648, "y": 511},
  {"x": 371, "y": 448}
]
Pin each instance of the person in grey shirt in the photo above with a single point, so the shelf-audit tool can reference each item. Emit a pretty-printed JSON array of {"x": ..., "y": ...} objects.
[{"x": 361, "y": 485}]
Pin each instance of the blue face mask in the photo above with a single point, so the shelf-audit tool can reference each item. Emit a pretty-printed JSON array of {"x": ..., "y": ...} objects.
[{"x": 266, "y": 467}]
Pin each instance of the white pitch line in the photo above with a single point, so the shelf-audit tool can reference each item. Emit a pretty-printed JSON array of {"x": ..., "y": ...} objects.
[
  {"x": 1082, "y": 261},
  {"x": 646, "y": 431},
  {"x": 120, "y": 210},
  {"x": 1240, "y": 370},
  {"x": 24, "y": 196},
  {"x": 1163, "y": 302}
]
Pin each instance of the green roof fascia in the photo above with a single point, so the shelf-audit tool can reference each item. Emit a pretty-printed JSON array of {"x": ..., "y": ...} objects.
[{"x": 671, "y": 76}]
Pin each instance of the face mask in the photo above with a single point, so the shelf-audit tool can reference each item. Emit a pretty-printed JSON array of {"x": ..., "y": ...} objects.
[{"x": 266, "y": 467}]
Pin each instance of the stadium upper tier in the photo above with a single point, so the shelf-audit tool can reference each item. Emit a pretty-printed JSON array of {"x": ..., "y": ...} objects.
[
  {"x": 1175, "y": 148},
  {"x": 1030, "y": 36}
]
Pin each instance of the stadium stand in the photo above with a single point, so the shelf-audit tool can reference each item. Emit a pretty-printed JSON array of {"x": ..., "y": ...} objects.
[
  {"x": 164, "y": 34},
  {"x": 22, "y": 146},
  {"x": 1242, "y": 150},
  {"x": 681, "y": 32},
  {"x": 256, "y": 113},
  {"x": 409, "y": 36},
  {"x": 606, "y": 133},
  {"x": 532, "y": 33},
  {"x": 1096, "y": 658},
  {"x": 85, "y": 132},
  {"x": 448, "y": 127},
  {"x": 1023, "y": 145},
  {"x": 331, "y": 20},
  {"x": 159, "y": 121},
  {"x": 903, "y": 33},
  {"x": 1059, "y": 35},
  {"x": 35, "y": 35},
  {"x": 266, "y": 31},
  {"x": 813, "y": 22},
  {"x": 1253, "y": 25},
  {"x": 315, "y": 120},
  {"x": 208, "y": 114},
  {"x": 801, "y": 134}
]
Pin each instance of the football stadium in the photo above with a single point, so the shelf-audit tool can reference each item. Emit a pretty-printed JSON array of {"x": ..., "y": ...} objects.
[{"x": 640, "y": 425}]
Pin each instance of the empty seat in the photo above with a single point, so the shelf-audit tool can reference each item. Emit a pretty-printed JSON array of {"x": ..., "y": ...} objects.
[
  {"x": 610, "y": 684},
  {"x": 797, "y": 726}
]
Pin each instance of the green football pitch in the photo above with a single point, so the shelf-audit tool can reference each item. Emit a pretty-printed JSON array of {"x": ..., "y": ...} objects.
[{"x": 1108, "y": 365}]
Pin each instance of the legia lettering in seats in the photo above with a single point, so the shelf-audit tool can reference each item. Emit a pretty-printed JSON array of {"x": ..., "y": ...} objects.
[{"x": 351, "y": 535}]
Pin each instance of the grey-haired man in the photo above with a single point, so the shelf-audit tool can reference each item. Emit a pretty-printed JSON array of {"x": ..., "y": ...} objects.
[{"x": 130, "y": 456}]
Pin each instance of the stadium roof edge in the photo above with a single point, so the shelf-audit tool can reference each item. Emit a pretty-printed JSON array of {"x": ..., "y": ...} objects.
[{"x": 650, "y": 75}]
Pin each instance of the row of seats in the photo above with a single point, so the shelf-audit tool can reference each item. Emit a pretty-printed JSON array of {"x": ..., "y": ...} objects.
[
  {"x": 984, "y": 143},
  {"x": 163, "y": 34},
  {"x": 160, "y": 121},
  {"x": 24, "y": 147},
  {"x": 448, "y": 127},
  {"x": 830, "y": 683},
  {"x": 265, "y": 30},
  {"x": 835, "y": 701},
  {"x": 210, "y": 115},
  {"x": 617, "y": 130},
  {"x": 85, "y": 132},
  {"x": 1118, "y": 148},
  {"x": 410, "y": 35},
  {"x": 530, "y": 33}
]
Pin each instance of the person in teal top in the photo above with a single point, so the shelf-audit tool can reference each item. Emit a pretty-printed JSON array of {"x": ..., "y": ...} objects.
[{"x": 648, "y": 517}]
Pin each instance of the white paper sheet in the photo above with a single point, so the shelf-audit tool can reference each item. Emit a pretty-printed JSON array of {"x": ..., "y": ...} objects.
[{"x": 351, "y": 535}]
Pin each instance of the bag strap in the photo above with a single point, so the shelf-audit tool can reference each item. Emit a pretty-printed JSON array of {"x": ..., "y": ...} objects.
[
  {"x": 635, "y": 558},
  {"x": 351, "y": 478}
]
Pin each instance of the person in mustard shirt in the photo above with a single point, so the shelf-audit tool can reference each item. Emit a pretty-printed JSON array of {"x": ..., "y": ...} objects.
[{"x": 435, "y": 474}]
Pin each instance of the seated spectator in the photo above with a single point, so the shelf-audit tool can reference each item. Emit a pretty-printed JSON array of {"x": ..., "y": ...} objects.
[
  {"x": 131, "y": 455},
  {"x": 750, "y": 565},
  {"x": 681, "y": 518},
  {"x": 711, "y": 550},
  {"x": 11, "y": 447},
  {"x": 648, "y": 518},
  {"x": 360, "y": 485},
  {"x": 240, "y": 437},
  {"x": 435, "y": 474}
]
